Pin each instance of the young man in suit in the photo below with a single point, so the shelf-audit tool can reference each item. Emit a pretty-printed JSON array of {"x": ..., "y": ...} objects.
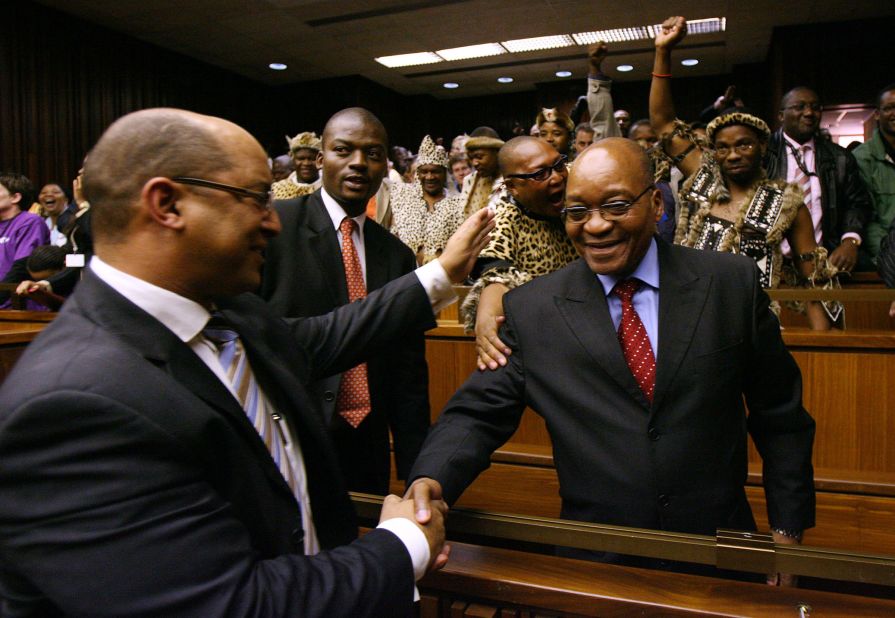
[
  {"x": 638, "y": 356},
  {"x": 158, "y": 462},
  {"x": 308, "y": 272}
]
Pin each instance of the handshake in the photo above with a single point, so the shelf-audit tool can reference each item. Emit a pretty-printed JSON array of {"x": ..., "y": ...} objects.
[{"x": 424, "y": 506}]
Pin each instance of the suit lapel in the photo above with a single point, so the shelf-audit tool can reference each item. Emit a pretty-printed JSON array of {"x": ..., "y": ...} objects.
[
  {"x": 374, "y": 248},
  {"x": 324, "y": 244},
  {"x": 586, "y": 312},
  {"x": 158, "y": 345},
  {"x": 682, "y": 297}
]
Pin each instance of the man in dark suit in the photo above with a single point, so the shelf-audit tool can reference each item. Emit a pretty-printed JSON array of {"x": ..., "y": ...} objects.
[
  {"x": 305, "y": 274},
  {"x": 134, "y": 479},
  {"x": 643, "y": 397},
  {"x": 827, "y": 173}
]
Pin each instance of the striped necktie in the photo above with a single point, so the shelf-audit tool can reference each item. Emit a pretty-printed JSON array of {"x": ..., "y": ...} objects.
[
  {"x": 634, "y": 340},
  {"x": 260, "y": 413},
  {"x": 801, "y": 178}
]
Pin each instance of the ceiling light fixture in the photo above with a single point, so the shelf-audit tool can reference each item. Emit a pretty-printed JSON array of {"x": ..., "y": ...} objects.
[
  {"x": 538, "y": 42},
  {"x": 505, "y": 80},
  {"x": 564, "y": 74},
  {"x": 707, "y": 26},
  {"x": 689, "y": 62},
  {"x": 471, "y": 51},
  {"x": 451, "y": 85},
  {"x": 408, "y": 60},
  {"x": 277, "y": 66},
  {"x": 624, "y": 68}
]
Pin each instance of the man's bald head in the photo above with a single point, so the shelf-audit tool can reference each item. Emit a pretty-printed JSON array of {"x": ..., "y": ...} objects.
[
  {"x": 358, "y": 115},
  {"x": 143, "y": 145},
  {"x": 626, "y": 151},
  {"x": 517, "y": 152}
]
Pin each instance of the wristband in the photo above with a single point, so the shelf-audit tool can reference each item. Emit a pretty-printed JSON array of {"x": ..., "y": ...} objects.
[{"x": 665, "y": 75}]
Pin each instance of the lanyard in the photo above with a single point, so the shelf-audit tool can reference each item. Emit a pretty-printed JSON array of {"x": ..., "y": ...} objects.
[{"x": 798, "y": 158}]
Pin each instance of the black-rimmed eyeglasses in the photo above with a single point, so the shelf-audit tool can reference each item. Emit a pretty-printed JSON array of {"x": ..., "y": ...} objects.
[
  {"x": 545, "y": 172},
  {"x": 263, "y": 199},
  {"x": 611, "y": 211}
]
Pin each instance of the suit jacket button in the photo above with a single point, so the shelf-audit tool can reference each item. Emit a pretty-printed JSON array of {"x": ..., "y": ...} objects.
[
  {"x": 329, "y": 396},
  {"x": 664, "y": 500},
  {"x": 653, "y": 434}
]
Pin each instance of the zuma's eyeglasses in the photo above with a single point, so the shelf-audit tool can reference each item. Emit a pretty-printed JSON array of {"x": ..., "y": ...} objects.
[
  {"x": 610, "y": 211},
  {"x": 545, "y": 172},
  {"x": 263, "y": 199}
]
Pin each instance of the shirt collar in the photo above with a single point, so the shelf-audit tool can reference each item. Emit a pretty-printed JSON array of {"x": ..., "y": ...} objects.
[
  {"x": 647, "y": 271},
  {"x": 797, "y": 145},
  {"x": 337, "y": 213},
  {"x": 184, "y": 317}
]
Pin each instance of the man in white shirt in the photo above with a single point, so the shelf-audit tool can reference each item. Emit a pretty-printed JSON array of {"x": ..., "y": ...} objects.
[{"x": 138, "y": 478}]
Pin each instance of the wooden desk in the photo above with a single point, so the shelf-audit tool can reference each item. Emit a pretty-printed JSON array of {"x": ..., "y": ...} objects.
[{"x": 17, "y": 330}]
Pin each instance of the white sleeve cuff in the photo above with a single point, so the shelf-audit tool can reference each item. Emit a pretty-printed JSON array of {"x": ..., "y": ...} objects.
[
  {"x": 852, "y": 235},
  {"x": 435, "y": 281},
  {"x": 414, "y": 540}
]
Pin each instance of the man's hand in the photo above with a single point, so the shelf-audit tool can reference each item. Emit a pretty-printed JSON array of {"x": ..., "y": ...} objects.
[
  {"x": 491, "y": 351},
  {"x": 672, "y": 32},
  {"x": 464, "y": 246},
  {"x": 433, "y": 528},
  {"x": 783, "y": 579},
  {"x": 845, "y": 256},
  {"x": 596, "y": 53}
]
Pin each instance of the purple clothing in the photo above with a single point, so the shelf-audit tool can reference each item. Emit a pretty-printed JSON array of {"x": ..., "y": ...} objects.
[{"x": 18, "y": 238}]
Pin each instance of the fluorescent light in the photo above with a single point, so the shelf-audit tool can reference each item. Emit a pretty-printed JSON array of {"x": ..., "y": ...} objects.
[
  {"x": 564, "y": 74},
  {"x": 408, "y": 60},
  {"x": 689, "y": 62},
  {"x": 616, "y": 35},
  {"x": 538, "y": 42},
  {"x": 471, "y": 51},
  {"x": 451, "y": 85},
  {"x": 277, "y": 66},
  {"x": 505, "y": 80},
  {"x": 707, "y": 26},
  {"x": 624, "y": 68}
]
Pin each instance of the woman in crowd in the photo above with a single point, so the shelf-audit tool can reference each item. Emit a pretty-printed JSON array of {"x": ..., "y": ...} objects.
[
  {"x": 57, "y": 210},
  {"x": 556, "y": 128}
]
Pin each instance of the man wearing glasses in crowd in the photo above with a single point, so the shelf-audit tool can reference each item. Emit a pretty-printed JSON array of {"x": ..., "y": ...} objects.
[
  {"x": 834, "y": 192},
  {"x": 528, "y": 240},
  {"x": 639, "y": 358}
]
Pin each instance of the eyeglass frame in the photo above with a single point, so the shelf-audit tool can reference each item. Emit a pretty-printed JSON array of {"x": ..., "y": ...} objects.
[
  {"x": 263, "y": 199},
  {"x": 800, "y": 107},
  {"x": 741, "y": 149},
  {"x": 558, "y": 166},
  {"x": 564, "y": 213}
]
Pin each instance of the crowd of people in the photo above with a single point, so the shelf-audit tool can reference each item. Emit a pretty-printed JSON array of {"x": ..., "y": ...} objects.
[{"x": 250, "y": 333}]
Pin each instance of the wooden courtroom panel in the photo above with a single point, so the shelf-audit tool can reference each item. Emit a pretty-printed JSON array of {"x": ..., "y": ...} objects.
[
  {"x": 17, "y": 330},
  {"x": 528, "y": 584}
]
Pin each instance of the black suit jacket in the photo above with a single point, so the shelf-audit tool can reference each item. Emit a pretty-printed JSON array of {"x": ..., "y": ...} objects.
[
  {"x": 304, "y": 276},
  {"x": 844, "y": 198},
  {"x": 132, "y": 483},
  {"x": 678, "y": 464}
]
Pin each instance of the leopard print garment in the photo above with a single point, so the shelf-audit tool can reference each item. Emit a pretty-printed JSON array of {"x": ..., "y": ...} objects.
[
  {"x": 425, "y": 232},
  {"x": 290, "y": 188},
  {"x": 533, "y": 247}
]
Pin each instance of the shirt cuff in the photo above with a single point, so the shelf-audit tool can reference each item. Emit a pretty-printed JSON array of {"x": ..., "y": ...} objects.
[
  {"x": 435, "y": 281},
  {"x": 857, "y": 237},
  {"x": 417, "y": 546}
]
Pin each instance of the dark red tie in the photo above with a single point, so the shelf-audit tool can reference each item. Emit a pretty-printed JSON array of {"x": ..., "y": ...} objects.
[
  {"x": 634, "y": 340},
  {"x": 353, "y": 402}
]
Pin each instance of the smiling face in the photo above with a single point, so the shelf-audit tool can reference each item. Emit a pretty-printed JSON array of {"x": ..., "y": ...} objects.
[
  {"x": 613, "y": 170},
  {"x": 52, "y": 199},
  {"x": 800, "y": 114},
  {"x": 432, "y": 178},
  {"x": 556, "y": 135},
  {"x": 305, "y": 161},
  {"x": 353, "y": 160},
  {"x": 739, "y": 152},
  {"x": 544, "y": 197}
]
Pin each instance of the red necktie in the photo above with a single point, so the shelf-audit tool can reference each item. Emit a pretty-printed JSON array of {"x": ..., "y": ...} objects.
[
  {"x": 353, "y": 402},
  {"x": 634, "y": 340}
]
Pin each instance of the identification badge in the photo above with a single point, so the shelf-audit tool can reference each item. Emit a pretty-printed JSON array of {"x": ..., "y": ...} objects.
[{"x": 74, "y": 260}]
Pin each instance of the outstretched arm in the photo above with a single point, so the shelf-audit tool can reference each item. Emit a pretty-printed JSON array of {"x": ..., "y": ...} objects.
[
  {"x": 661, "y": 105},
  {"x": 599, "y": 97}
]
